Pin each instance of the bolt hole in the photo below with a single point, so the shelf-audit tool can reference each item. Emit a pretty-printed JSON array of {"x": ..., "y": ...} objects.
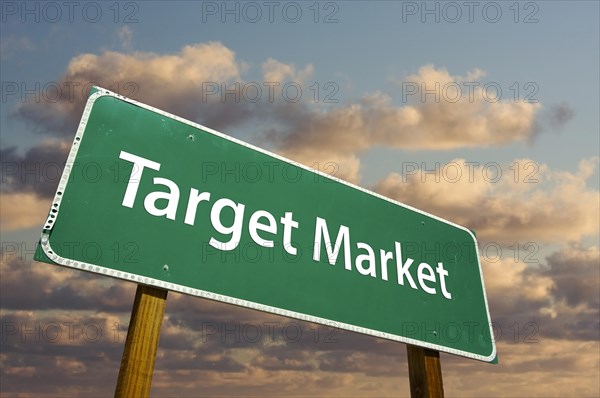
[{"x": 165, "y": 268}]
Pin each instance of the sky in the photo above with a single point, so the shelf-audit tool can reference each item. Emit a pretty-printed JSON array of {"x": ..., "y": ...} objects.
[{"x": 483, "y": 113}]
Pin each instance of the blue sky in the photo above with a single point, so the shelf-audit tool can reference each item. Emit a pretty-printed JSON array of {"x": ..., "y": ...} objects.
[{"x": 369, "y": 54}]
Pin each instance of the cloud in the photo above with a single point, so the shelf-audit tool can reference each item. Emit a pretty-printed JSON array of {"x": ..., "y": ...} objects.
[
  {"x": 202, "y": 82},
  {"x": 20, "y": 210},
  {"x": 548, "y": 368},
  {"x": 517, "y": 292},
  {"x": 554, "y": 299},
  {"x": 576, "y": 274},
  {"x": 125, "y": 35},
  {"x": 276, "y": 71},
  {"x": 541, "y": 205},
  {"x": 227, "y": 361},
  {"x": 172, "y": 82},
  {"x": 557, "y": 116},
  {"x": 11, "y": 45},
  {"x": 35, "y": 344},
  {"x": 37, "y": 171},
  {"x": 52, "y": 287},
  {"x": 338, "y": 134},
  {"x": 463, "y": 120},
  {"x": 78, "y": 321}
]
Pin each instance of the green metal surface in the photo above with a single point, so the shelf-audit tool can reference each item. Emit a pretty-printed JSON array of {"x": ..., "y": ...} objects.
[{"x": 90, "y": 228}]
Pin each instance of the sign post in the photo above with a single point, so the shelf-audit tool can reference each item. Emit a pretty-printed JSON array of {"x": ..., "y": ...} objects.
[
  {"x": 173, "y": 205},
  {"x": 139, "y": 353},
  {"x": 424, "y": 372}
]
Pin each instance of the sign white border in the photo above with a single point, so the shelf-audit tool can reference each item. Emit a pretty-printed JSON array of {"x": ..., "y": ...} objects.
[{"x": 55, "y": 207}]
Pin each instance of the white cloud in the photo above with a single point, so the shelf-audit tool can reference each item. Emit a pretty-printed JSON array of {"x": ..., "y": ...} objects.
[
  {"x": 555, "y": 207},
  {"x": 172, "y": 82},
  {"x": 276, "y": 71},
  {"x": 11, "y": 45},
  {"x": 22, "y": 210},
  {"x": 125, "y": 35},
  {"x": 179, "y": 83},
  {"x": 340, "y": 133}
]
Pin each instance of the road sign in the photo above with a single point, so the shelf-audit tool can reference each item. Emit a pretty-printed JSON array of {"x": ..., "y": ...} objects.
[{"x": 152, "y": 198}]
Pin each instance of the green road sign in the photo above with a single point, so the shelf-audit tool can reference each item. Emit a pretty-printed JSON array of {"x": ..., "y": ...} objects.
[{"x": 155, "y": 199}]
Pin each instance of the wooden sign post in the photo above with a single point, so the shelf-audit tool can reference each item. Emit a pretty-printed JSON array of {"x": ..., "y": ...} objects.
[
  {"x": 137, "y": 363},
  {"x": 424, "y": 372}
]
